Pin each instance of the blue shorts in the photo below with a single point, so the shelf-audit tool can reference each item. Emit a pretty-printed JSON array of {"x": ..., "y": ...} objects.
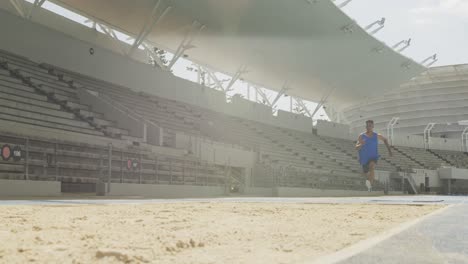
[{"x": 365, "y": 167}]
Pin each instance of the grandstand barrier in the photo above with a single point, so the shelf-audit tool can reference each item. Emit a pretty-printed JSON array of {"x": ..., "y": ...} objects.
[
  {"x": 331, "y": 129},
  {"x": 309, "y": 192},
  {"x": 29, "y": 188},
  {"x": 250, "y": 110},
  {"x": 453, "y": 173},
  {"x": 294, "y": 121},
  {"x": 445, "y": 144},
  {"x": 453, "y": 180},
  {"x": 259, "y": 192},
  {"x": 216, "y": 152},
  {"x": 165, "y": 191},
  {"x": 417, "y": 141}
]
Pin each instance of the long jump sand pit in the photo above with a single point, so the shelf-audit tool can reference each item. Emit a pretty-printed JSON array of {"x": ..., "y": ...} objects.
[{"x": 212, "y": 232}]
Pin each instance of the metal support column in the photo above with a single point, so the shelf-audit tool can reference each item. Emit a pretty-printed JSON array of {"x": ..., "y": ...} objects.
[
  {"x": 139, "y": 169},
  {"x": 390, "y": 127},
  {"x": 464, "y": 138},
  {"x": 26, "y": 169},
  {"x": 55, "y": 161},
  {"x": 109, "y": 168},
  {"x": 427, "y": 135}
]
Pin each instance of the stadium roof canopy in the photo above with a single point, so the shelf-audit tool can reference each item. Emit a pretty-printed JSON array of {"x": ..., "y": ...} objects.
[{"x": 311, "y": 44}]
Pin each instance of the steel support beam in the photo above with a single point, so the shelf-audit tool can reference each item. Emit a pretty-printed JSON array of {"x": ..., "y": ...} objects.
[
  {"x": 322, "y": 101},
  {"x": 186, "y": 43},
  {"x": 380, "y": 23},
  {"x": 432, "y": 57},
  {"x": 18, "y": 5},
  {"x": 283, "y": 90},
  {"x": 110, "y": 32},
  {"x": 263, "y": 95},
  {"x": 218, "y": 83},
  {"x": 154, "y": 56},
  {"x": 37, "y": 4},
  {"x": 345, "y": 3},
  {"x": 150, "y": 23},
  {"x": 405, "y": 43},
  {"x": 242, "y": 70},
  {"x": 306, "y": 109}
]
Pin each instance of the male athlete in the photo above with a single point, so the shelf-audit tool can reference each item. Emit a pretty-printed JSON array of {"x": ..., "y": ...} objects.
[{"x": 367, "y": 145}]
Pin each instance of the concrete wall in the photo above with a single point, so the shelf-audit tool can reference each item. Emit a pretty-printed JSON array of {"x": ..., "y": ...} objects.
[
  {"x": 409, "y": 141},
  {"x": 453, "y": 173},
  {"x": 435, "y": 143},
  {"x": 29, "y": 188},
  {"x": 307, "y": 192},
  {"x": 216, "y": 152},
  {"x": 165, "y": 191},
  {"x": 420, "y": 177},
  {"x": 295, "y": 121},
  {"x": 259, "y": 192},
  {"x": 446, "y": 144},
  {"x": 331, "y": 129}
]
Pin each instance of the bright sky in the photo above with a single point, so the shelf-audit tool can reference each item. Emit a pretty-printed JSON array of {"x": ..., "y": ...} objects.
[{"x": 435, "y": 26}]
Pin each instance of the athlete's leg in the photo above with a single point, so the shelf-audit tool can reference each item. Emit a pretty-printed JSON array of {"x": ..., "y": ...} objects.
[
  {"x": 371, "y": 171},
  {"x": 365, "y": 173}
]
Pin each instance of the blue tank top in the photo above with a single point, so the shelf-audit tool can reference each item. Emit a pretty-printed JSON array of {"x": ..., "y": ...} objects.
[{"x": 370, "y": 150}]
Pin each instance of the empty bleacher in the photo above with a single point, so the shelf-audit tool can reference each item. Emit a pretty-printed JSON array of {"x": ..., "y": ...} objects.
[
  {"x": 81, "y": 163},
  {"x": 46, "y": 96},
  {"x": 32, "y": 96}
]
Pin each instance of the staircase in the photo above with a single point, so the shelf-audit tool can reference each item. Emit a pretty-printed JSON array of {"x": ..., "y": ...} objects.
[
  {"x": 412, "y": 183},
  {"x": 441, "y": 157},
  {"x": 236, "y": 180},
  {"x": 408, "y": 156}
]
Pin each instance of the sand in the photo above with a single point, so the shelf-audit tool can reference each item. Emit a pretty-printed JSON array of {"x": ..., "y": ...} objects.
[{"x": 190, "y": 232}]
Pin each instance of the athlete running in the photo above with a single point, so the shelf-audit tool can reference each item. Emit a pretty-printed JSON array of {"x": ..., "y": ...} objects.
[{"x": 367, "y": 145}]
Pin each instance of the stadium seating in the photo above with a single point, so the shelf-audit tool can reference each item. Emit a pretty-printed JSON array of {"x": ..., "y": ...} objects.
[{"x": 45, "y": 95}]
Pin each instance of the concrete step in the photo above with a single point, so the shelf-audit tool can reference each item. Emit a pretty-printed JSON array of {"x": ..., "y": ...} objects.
[
  {"x": 43, "y": 117},
  {"x": 15, "y": 85},
  {"x": 14, "y": 98},
  {"x": 50, "y": 90},
  {"x": 47, "y": 124},
  {"x": 7, "y": 77},
  {"x": 63, "y": 98},
  {"x": 11, "y": 167},
  {"x": 117, "y": 131},
  {"x": 133, "y": 139},
  {"x": 25, "y": 94},
  {"x": 77, "y": 106},
  {"x": 102, "y": 122},
  {"x": 12, "y": 175},
  {"x": 35, "y": 109},
  {"x": 90, "y": 114}
]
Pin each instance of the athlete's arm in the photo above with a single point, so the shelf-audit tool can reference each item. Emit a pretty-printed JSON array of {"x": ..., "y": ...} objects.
[
  {"x": 386, "y": 144},
  {"x": 359, "y": 143}
]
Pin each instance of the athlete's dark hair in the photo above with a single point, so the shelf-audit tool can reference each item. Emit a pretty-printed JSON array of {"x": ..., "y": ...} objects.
[{"x": 369, "y": 122}]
